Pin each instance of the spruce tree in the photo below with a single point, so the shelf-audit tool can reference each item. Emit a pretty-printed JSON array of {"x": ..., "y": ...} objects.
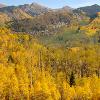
[{"x": 72, "y": 79}]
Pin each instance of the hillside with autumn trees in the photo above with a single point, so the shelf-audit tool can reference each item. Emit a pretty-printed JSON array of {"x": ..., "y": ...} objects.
[{"x": 49, "y": 54}]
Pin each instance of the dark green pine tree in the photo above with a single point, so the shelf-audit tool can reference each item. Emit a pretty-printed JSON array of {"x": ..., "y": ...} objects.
[
  {"x": 10, "y": 59},
  {"x": 72, "y": 79}
]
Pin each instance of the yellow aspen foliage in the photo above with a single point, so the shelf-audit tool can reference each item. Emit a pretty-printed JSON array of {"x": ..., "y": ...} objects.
[
  {"x": 31, "y": 71},
  {"x": 83, "y": 92},
  {"x": 37, "y": 87},
  {"x": 68, "y": 92},
  {"x": 23, "y": 80},
  {"x": 3, "y": 80},
  {"x": 95, "y": 87},
  {"x": 12, "y": 82}
]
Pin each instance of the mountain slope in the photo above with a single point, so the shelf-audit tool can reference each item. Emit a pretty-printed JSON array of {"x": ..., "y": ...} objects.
[
  {"x": 93, "y": 27},
  {"x": 4, "y": 18},
  {"x": 14, "y": 12},
  {"x": 49, "y": 21},
  {"x": 24, "y": 11},
  {"x": 65, "y": 8},
  {"x": 39, "y": 18},
  {"x": 89, "y": 10},
  {"x": 34, "y": 9},
  {"x": 2, "y": 5}
]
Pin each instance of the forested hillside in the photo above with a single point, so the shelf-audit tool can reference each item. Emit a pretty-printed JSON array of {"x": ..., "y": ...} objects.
[
  {"x": 39, "y": 18},
  {"x": 89, "y": 10},
  {"x": 49, "y": 54},
  {"x": 31, "y": 71}
]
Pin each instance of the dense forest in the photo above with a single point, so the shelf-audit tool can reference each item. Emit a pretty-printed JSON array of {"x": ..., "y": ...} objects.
[
  {"x": 49, "y": 54},
  {"x": 31, "y": 71}
]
